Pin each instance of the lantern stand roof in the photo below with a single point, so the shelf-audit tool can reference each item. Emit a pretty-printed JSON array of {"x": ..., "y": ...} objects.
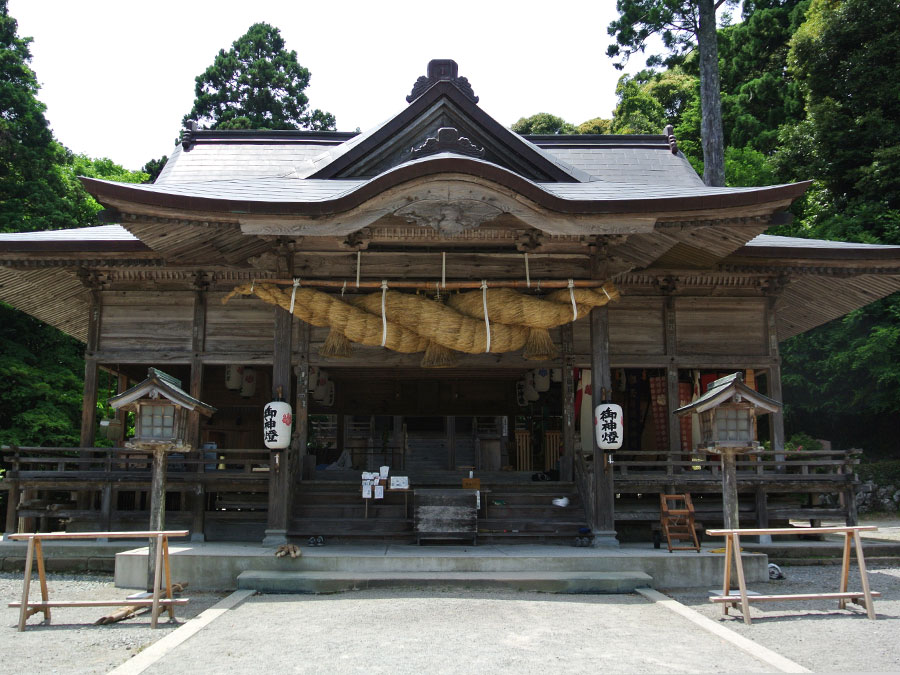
[
  {"x": 159, "y": 384},
  {"x": 727, "y": 389}
]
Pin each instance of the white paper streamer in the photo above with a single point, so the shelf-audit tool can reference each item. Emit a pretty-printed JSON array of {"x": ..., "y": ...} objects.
[
  {"x": 487, "y": 322},
  {"x": 294, "y": 293},
  {"x": 527, "y": 272},
  {"x": 572, "y": 297},
  {"x": 384, "y": 288}
]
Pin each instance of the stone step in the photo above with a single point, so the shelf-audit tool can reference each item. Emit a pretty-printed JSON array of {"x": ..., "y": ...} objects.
[{"x": 269, "y": 581}]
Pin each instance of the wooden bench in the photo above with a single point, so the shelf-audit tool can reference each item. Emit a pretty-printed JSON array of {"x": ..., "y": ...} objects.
[
  {"x": 35, "y": 552},
  {"x": 743, "y": 599}
]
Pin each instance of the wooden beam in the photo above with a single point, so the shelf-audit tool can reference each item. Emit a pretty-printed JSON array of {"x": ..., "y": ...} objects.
[
  {"x": 773, "y": 381},
  {"x": 301, "y": 415},
  {"x": 604, "y": 525}
]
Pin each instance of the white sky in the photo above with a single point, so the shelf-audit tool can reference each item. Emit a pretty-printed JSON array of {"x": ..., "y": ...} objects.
[{"x": 117, "y": 76}]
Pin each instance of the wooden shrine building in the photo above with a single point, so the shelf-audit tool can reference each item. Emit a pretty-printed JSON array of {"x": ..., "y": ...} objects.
[{"x": 523, "y": 266}]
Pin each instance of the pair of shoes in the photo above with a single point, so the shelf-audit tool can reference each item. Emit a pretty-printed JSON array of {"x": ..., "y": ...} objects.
[
  {"x": 316, "y": 541},
  {"x": 582, "y": 541}
]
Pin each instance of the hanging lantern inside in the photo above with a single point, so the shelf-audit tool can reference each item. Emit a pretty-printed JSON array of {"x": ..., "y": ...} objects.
[
  {"x": 248, "y": 383},
  {"x": 234, "y": 377},
  {"x": 609, "y": 426},
  {"x": 277, "y": 420},
  {"x": 520, "y": 393},
  {"x": 542, "y": 380},
  {"x": 531, "y": 393}
]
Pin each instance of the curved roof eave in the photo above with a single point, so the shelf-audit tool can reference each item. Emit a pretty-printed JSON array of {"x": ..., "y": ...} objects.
[{"x": 286, "y": 194}]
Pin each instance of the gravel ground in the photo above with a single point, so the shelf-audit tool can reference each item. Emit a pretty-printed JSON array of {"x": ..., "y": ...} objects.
[
  {"x": 815, "y": 633},
  {"x": 71, "y": 643},
  {"x": 428, "y": 631}
]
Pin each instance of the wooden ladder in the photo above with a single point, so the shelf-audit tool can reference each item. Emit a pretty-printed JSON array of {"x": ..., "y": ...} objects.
[{"x": 676, "y": 517}]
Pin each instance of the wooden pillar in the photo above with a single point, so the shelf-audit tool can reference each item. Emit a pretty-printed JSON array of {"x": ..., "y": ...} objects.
[
  {"x": 280, "y": 467},
  {"x": 762, "y": 514},
  {"x": 451, "y": 443},
  {"x": 773, "y": 383},
  {"x": 567, "y": 362},
  {"x": 604, "y": 525},
  {"x": 672, "y": 400},
  {"x": 157, "y": 507},
  {"x": 12, "y": 507},
  {"x": 194, "y": 437},
  {"x": 300, "y": 438},
  {"x": 729, "y": 490}
]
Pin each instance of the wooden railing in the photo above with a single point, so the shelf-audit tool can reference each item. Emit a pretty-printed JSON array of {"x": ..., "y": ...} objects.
[
  {"x": 637, "y": 474},
  {"x": 29, "y": 463},
  {"x": 815, "y": 464}
]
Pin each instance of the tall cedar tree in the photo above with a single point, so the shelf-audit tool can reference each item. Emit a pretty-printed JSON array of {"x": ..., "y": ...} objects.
[
  {"x": 256, "y": 84},
  {"x": 682, "y": 25}
]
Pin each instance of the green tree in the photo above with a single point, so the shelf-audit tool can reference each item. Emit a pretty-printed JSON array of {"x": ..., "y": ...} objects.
[
  {"x": 759, "y": 94},
  {"x": 154, "y": 167},
  {"x": 256, "y": 84},
  {"x": 33, "y": 191},
  {"x": 649, "y": 100},
  {"x": 40, "y": 402},
  {"x": 595, "y": 125},
  {"x": 682, "y": 26},
  {"x": 542, "y": 123}
]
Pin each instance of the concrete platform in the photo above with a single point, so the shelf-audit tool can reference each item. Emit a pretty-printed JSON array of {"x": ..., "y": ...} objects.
[
  {"x": 542, "y": 582},
  {"x": 217, "y": 566}
]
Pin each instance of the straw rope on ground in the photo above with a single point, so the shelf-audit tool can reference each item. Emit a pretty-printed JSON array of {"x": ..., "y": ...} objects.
[{"x": 410, "y": 323}]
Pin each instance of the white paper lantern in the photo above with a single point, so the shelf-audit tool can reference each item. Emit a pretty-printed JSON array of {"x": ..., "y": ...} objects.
[
  {"x": 321, "y": 388},
  {"x": 234, "y": 377},
  {"x": 530, "y": 392},
  {"x": 277, "y": 419},
  {"x": 313, "y": 377},
  {"x": 520, "y": 393},
  {"x": 328, "y": 399},
  {"x": 542, "y": 379},
  {"x": 248, "y": 383},
  {"x": 609, "y": 426}
]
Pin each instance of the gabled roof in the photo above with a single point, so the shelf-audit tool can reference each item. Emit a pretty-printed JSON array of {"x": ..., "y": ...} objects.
[
  {"x": 159, "y": 384},
  {"x": 727, "y": 388}
]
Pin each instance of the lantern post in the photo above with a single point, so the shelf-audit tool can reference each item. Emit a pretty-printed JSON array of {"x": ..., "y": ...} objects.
[
  {"x": 160, "y": 410},
  {"x": 728, "y": 428}
]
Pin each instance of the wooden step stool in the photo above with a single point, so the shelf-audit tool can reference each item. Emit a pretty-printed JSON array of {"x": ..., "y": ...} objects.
[{"x": 676, "y": 517}]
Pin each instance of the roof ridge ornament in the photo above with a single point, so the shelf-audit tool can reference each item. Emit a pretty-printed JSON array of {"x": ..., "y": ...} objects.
[
  {"x": 442, "y": 70},
  {"x": 669, "y": 133},
  {"x": 447, "y": 139},
  {"x": 187, "y": 135}
]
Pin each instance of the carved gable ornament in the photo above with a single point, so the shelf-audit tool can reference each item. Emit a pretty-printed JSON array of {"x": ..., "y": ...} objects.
[
  {"x": 448, "y": 139},
  {"x": 449, "y": 218},
  {"x": 439, "y": 70}
]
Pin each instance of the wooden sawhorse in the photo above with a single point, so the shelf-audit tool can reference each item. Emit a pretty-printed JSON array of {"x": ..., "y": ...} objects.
[
  {"x": 733, "y": 550},
  {"x": 35, "y": 552}
]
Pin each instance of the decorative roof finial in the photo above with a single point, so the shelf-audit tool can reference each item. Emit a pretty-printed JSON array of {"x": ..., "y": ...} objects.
[
  {"x": 669, "y": 133},
  {"x": 442, "y": 70}
]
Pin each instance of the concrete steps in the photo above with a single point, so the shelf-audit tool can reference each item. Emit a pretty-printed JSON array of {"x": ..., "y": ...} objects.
[{"x": 267, "y": 581}]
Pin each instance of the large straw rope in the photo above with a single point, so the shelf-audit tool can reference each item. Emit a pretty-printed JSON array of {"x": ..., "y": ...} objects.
[
  {"x": 413, "y": 323},
  {"x": 444, "y": 325},
  {"x": 321, "y": 309},
  {"x": 511, "y": 307}
]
